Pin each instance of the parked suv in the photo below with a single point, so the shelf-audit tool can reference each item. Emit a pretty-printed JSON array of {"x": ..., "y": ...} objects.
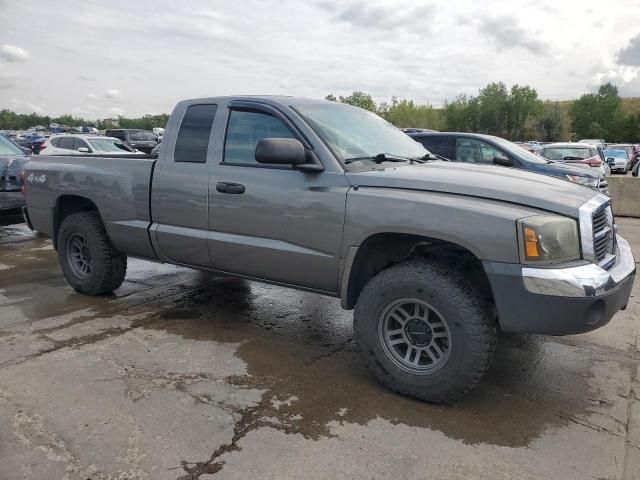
[
  {"x": 85, "y": 144},
  {"x": 490, "y": 150},
  {"x": 142, "y": 140},
  {"x": 578, "y": 154}
]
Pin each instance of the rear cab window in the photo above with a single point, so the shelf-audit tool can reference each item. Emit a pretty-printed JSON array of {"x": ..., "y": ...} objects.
[{"x": 192, "y": 141}]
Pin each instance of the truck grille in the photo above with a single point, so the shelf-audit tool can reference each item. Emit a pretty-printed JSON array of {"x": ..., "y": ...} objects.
[{"x": 603, "y": 236}]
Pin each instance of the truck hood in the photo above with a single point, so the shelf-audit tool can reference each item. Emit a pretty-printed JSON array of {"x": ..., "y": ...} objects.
[{"x": 484, "y": 181}]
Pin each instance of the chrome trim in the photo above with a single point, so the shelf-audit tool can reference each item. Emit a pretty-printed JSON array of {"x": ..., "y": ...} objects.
[
  {"x": 585, "y": 218},
  {"x": 583, "y": 281}
]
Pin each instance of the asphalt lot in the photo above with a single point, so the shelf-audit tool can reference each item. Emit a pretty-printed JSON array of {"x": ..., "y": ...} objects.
[{"x": 182, "y": 374}]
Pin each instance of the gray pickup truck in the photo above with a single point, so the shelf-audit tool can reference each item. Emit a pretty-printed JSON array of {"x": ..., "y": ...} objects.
[{"x": 435, "y": 257}]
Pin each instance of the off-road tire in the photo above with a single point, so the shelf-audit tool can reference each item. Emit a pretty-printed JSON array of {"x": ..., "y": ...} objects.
[
  {"x": 109, "y": 266},
  {"x": 472, "y": 329}
]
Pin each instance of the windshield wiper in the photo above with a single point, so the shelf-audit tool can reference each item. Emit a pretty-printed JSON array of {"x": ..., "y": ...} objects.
[
  {"x": 573, "y": 158},
  {"x": 386, "y": 157},
  {"x": 435, "y": 156}
]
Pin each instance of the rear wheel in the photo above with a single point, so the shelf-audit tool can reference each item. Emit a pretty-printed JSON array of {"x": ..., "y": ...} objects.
[
  {"x": 424, "y": 331},
  {"x": 88, "y": 260}
]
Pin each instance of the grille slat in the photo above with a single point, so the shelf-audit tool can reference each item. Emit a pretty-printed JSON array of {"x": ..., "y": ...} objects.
[{"x": 603, "y": 233}]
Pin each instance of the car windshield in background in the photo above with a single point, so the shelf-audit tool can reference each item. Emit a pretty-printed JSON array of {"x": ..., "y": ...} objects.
[
  {"x": 626, "y": 148},
  {"x": 7, "y": 147},
  {"x": 108, "y": 145},
  {"x": 615, "y": 153},
  {"x": 564, "y": 153},
  {"x": 142, "y": 137},
  {"x": 518, "y": 150},
  {"x": 353, "y": 133}
]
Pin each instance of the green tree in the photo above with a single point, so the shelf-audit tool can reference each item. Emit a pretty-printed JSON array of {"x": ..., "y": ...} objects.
[
  {"x": 551, "y": 125},
  {"x": 596, "y": 115},
  {"x": 405, "y": 113},
  {"x": 360, "y": 99}
]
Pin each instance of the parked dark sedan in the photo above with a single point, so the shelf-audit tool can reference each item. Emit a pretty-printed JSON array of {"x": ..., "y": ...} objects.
[
  {"x": 478, "y": 148},
  {"x": 142, "y": 140},
  {"x": 12, "y": 161},
  {"x": 33, "y": 142}
]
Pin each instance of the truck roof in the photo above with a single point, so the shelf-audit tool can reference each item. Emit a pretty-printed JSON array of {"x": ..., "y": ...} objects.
[{"x": 275, "y": 99}]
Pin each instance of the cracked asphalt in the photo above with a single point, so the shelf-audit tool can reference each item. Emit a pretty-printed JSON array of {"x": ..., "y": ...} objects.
[{"x": 184, "y": 375}]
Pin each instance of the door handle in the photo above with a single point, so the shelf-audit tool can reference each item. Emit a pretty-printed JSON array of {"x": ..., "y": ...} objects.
[{"x": 229, "y": 187}]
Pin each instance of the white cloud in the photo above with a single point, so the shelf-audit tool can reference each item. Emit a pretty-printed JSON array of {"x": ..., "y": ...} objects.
[
  {"x": 11, "y": 53},
  {"x": 91, "y": 96},
  {"x": 112, "y": 93},
  {"x": 115, "y": 111},
  {"x": 22, "y": 106}
]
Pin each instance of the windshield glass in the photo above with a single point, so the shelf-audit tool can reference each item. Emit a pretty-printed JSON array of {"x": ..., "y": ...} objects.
[
  {"x": 142, "y": 136},
  {"x": 559, "y": 153},
  {"x": 352, "y": 132},
  {"x": 518, "y": 151},
  {"x": 109, "y": 145},
  {"x": 7, "y": 147},
  {"x": 615, "y": 153},
  {"x": 626, "y": 148}
]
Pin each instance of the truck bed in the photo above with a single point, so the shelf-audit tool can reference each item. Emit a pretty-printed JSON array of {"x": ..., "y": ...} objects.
[{"x": 119, "y": 186}]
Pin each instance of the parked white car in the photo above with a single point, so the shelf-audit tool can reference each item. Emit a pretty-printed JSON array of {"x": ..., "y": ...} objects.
[
  {"x": 577, "y": 154},
  {"x": 84, "y": 144}
]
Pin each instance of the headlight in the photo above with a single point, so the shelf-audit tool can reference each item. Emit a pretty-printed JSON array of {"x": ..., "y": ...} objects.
[
  {"x": 588, "y": 181},
  {"x": 548, "y": 238}
]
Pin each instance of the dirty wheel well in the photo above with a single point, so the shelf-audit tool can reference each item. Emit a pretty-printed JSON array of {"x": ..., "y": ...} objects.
[
  {"x": 380, "y": 251},
  {"x": 67, "y": 205}
]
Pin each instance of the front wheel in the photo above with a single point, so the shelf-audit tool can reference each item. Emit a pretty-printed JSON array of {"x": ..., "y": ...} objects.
[
  {"x": 88, "y": 260},
  {"x": 424, "y": 331}
]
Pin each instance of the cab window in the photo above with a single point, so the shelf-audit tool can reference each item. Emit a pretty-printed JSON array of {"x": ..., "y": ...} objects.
[{"x": 244, "y": 131}]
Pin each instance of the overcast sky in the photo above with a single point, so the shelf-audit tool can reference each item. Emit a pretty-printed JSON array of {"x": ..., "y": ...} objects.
[{"x": 103, "y": 58}]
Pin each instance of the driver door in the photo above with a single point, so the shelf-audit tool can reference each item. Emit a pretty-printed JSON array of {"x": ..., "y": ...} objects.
[{"x": 273, "y": 222}]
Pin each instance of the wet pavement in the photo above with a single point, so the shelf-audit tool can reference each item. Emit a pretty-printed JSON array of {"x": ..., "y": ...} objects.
[{"x": 185, "y": 375}]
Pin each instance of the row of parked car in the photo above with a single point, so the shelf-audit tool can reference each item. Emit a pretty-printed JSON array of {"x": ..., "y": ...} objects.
[{"x": 88, "y": 140}]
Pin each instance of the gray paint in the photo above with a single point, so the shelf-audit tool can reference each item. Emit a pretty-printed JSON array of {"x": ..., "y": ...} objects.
[{"x": 119, "y": 187}]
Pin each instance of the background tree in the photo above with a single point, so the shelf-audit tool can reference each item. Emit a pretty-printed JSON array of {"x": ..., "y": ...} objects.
[
  {"x": 405, "y": 113},
  {"x": 551, "y": 124},
  {"x": 595, "y": 115}
]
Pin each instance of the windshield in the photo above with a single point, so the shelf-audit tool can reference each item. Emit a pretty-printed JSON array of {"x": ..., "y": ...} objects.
[
  {"x": 142, "y": 137},
  {"x": 109, "y": 145},
  {"x": 518, "y": 151},
  {"x": 7, "y": 147},
  {"x": 571, "y": 153},
  {"x": 626, "y": 148},
  {"x": 615, "y": 153},
  {"x": 352, "y": 133}
]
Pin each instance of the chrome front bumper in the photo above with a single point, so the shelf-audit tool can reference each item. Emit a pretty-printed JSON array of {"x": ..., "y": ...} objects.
[{"x": 582, "y": 281}]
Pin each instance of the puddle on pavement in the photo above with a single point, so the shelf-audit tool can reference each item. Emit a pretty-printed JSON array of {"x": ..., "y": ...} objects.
[{"x": 303, "y": 348}]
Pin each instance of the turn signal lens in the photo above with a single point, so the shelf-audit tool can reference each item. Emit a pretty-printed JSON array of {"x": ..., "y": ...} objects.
[{"x": 531, "y": 243}]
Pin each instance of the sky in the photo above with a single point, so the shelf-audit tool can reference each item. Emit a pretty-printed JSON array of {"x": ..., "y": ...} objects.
[{"x": 99, "y": 59}]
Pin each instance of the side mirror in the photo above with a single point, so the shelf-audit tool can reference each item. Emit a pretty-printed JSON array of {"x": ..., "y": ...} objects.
[
  {"x": 504, "y": 161},
  {"x": 84, "y": 150},
  {"x": 280, "y": 151}
]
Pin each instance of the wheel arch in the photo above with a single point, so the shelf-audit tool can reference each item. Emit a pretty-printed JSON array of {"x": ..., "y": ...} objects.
[
  {"x": 68, "y": 205},
  {"x": 382, "y": 250}
]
